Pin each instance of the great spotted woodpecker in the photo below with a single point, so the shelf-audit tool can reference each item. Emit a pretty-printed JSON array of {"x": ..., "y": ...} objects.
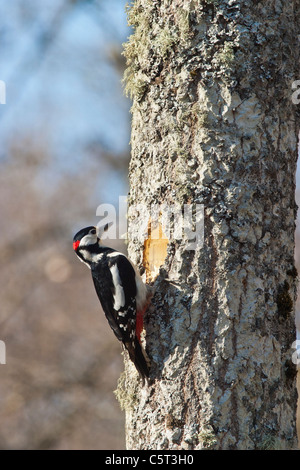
[{"x": 120, "y": 289}]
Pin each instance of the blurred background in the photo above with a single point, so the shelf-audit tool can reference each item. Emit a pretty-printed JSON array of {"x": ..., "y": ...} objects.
[{"x": 64, "y": 133}]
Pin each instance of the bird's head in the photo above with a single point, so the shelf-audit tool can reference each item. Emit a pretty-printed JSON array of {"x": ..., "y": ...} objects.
[
  {"x": 85, "y": 238},
  {"x": 86, "y": 243}
]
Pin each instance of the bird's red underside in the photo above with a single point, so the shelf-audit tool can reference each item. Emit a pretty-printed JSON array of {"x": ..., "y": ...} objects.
[{"x": 139, "y": 324}]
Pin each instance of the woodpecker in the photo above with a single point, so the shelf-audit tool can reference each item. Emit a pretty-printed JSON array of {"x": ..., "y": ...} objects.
[{"x": 120, "y": 289}]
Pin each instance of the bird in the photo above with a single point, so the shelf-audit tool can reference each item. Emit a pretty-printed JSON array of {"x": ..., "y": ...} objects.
[{"x": 122, "y": 293}]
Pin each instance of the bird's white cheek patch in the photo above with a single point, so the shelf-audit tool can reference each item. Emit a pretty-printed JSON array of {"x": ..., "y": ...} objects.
[{"x": 119, "y": 296}]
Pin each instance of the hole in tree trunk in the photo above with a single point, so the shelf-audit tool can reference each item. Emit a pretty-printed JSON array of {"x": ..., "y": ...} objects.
[{"x": 155, "y": 250}]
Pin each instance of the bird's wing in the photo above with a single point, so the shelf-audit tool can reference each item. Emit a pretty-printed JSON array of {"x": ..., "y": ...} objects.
[{"x": 118, "y": 302}]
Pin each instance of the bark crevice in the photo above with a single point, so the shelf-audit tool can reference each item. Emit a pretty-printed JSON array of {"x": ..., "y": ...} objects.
[{"x": 213, "y": 123}]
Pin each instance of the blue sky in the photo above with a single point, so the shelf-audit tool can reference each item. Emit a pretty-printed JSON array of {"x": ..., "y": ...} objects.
[{"x": 60, "y": 83}]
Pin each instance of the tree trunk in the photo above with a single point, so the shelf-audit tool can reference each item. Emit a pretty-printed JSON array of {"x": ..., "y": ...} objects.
[{"x": 213, "y": 124}]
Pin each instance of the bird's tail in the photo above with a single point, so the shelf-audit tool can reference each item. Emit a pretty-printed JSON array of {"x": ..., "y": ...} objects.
[{"x": 137, "y": 355}]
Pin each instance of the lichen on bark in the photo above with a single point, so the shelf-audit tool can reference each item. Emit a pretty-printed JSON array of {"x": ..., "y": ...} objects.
[{"x": 213, "y": 123}]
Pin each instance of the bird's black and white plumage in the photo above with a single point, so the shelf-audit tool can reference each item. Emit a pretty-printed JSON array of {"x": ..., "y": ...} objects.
[{"x": 120, "y": 289}]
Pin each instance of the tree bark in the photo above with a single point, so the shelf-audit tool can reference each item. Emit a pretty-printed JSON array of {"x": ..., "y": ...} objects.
[{"x": 213, "y": 123}]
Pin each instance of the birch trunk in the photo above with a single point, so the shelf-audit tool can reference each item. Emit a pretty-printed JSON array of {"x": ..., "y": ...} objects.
[{"x": 213, "y": 123}]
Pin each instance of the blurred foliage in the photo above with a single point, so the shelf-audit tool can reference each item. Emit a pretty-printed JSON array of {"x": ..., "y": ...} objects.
[
  {"x": 62, "y": 359},
  {"x": 63, "y": 362}
]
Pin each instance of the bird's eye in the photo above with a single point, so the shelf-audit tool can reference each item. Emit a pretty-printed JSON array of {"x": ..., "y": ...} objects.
[{"x": 93, "y": 231}]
